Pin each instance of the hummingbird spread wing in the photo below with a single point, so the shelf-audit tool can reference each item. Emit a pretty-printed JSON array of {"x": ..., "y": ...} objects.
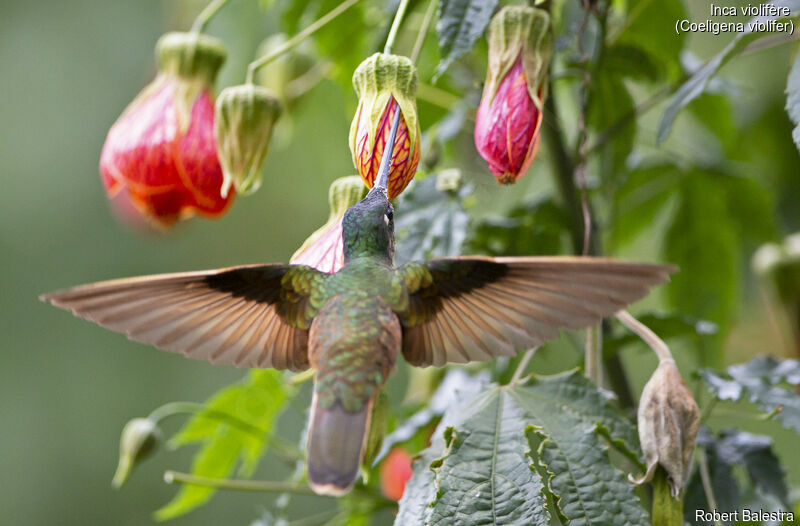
[
  {"x": 248, "y": 316},
  {"x": 471, "y": 308}
]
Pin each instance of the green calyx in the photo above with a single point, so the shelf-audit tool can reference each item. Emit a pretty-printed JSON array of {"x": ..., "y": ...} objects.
[
  {"x": 191, "y": 62},
  {"x": 520, "y": 31},
  {"x": 190, "y": 55},
  {"x": 376, "y": 80},
  {"x": 245, "y": 116},
  {"x": 343, "y": 193}
]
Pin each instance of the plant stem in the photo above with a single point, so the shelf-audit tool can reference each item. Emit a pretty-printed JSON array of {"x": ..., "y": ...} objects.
[
  {"x": 523, "y": 363},
  {"x": 303, "y": 377},
  {"x": 266, "y": 486},
  {"x": 398, "y": 20},
  {"x": 206, "y": 15},
  {"x": 191, "y": 408},
  {"x": 563, "y": 172},
  {"x": 667, "y": 510},
  {"x": 423, "y": 30},
  {"x": 170, "y": 477},
  {"x": 593, "y": 357},
  {"x": 705, "y": 477},
  {"x": 439, "y": 97},
  {"x": 298, "y": 38},
  {"x": 647, "y": 335}
]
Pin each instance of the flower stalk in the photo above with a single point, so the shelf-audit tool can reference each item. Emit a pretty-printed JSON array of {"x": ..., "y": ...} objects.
[
  {"x": 298, "y": 38},
  {"x": 206, "y": 15},
  {"x": 398, "y": 20}
]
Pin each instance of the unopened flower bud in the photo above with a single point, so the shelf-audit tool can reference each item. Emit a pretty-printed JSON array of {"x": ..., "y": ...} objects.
[
  {"x": 668, "y": 421},
  {"x": 324, "y": 249},
  {"x": 161, "y": 150},
  {"x": 139, "y": 439},
  {"x": 395, "y": 472},
  {"x": 243, "y": 127},
  {"x": 507, "y": 126},
  {"x": 385, "y": 84}
]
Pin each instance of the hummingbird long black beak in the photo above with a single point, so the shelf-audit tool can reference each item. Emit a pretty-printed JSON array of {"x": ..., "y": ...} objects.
[{"x": 382, "y": 180}]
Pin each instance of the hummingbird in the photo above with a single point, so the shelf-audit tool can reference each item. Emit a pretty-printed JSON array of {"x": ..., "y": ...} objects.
[{"x": 350, "y": 326}]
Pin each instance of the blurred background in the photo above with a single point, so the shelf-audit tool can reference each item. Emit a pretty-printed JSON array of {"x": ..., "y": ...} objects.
[{"x": 67, "y": 387}]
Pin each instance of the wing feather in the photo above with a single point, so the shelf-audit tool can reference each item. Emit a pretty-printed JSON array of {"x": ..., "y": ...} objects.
[
  {"x": 476, "y": 308},
  {"x": 245, "y": 316}
]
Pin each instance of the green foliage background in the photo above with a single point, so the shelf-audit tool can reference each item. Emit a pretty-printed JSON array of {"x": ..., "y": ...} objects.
[{"x": 69, "y": 68}]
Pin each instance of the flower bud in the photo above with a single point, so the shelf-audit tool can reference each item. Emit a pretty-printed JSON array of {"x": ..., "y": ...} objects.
[
  {"x": 668, "y": 420},
  {"x": 509, "y": 116},
  {"x": 140, "y": 437},
  {"x": 324, "y": 249},
  {"x": 385, "y": 84},
  {"x": 395, "y": 472},
  {"x": 161, "y": 150},
  {"x": 243, "y": 126}
]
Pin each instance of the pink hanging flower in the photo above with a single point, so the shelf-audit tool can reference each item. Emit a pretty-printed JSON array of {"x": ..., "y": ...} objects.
[
  {"x": 508, "y": 124},
  {"x": 161, "y": 151}
]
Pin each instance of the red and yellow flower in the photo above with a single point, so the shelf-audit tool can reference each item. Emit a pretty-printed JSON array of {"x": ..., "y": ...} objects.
[{"x": 385, "y": 85}]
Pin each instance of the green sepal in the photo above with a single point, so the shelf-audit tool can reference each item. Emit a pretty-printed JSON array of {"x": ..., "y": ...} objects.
[
  {"x": 377, "y": 430},
  {"x": 193, "y": 59},
  {"x": 245, "y": 116},
  {"x": 514, "y": 30},
  {"x": 376, "y": 80}
]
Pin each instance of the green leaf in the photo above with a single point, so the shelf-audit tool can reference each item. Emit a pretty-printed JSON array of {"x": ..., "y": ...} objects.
[
  {"x": 793, "y": 99},
  {"x": 714, "y": 112},
  {"x": 755, "y": 453},
  {"x": 475, "y": 470},
  {"x": 631, "y": 62},
  {"x": 759, "y": 381},
  {"x": 641, "y": 197},
  {"x": 257, "y": 400},
  {"x": 535, "y": 227},
  {"x": 731, "y": 451},
  {"x": 461, "y": 23},
  {"x": 430, "y": 222},
  {"x": 703, "y": 242},
  {"x": 646, "y": 30},
  {"x": 696, "y": 84},
  {"x": 446, "y": 394}
]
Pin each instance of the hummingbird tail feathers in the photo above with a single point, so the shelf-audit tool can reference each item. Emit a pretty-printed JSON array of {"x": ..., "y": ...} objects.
[{"x": 336, "y": 442}]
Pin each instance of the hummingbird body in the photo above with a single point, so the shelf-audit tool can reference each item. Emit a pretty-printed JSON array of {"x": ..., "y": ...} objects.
[
  {"x": 350, "y": 326},
  {"x": 353, "y": 345}
]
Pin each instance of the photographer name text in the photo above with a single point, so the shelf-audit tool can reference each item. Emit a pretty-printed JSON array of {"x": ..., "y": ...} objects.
[{"x": 744, "y": 515}]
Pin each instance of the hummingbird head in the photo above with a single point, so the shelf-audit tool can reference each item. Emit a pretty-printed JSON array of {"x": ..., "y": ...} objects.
[{"x": 368, "y": 226}]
